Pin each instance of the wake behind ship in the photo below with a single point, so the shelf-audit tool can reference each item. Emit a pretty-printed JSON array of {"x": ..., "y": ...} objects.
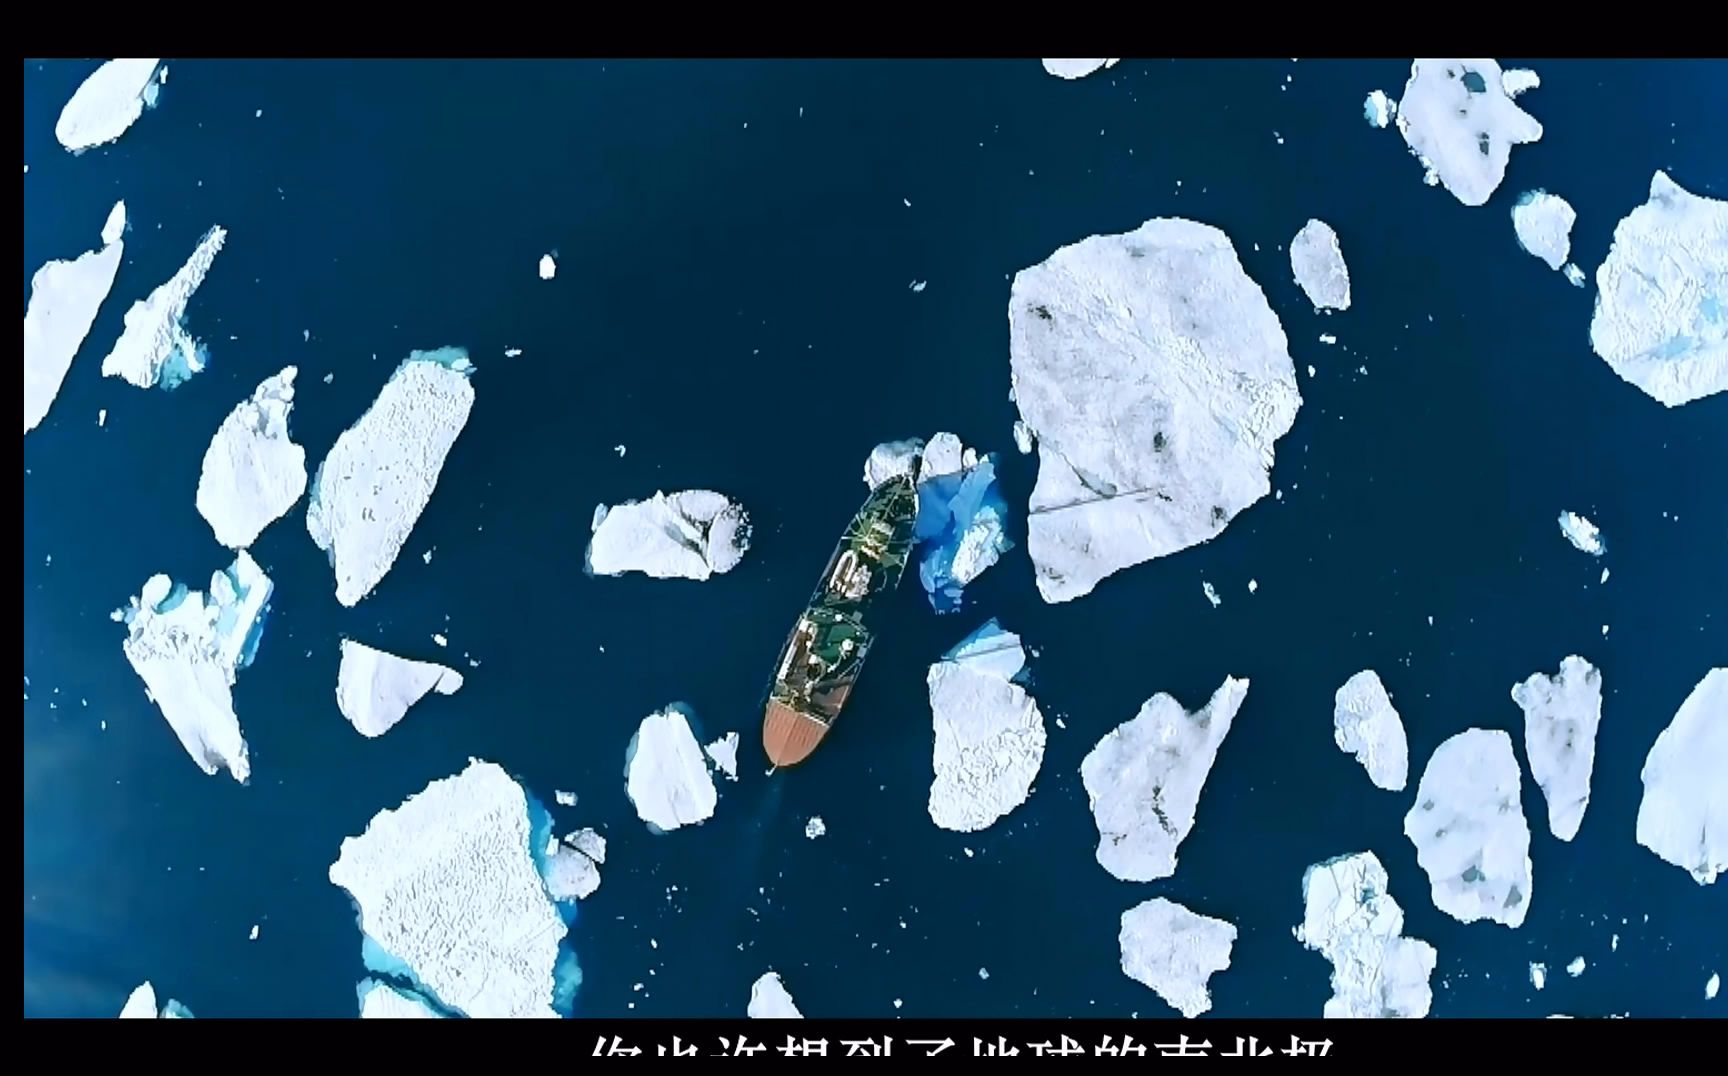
[{"x": 825, "y": 652}]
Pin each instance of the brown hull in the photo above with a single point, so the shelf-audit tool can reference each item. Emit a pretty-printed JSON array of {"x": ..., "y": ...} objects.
[{"x": 788, "y": 736}]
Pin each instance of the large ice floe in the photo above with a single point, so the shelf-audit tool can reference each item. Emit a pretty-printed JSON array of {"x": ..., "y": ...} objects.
[
  {"x": 1469, "y": 830},
  {"x": 1072, "y": 69},
  {"x": 665, "y": 774},
  {"x": 154, "y": 347},
  {"x": 65, "y": 297},
  {"x": 141, "y": 1005},
  {"x": 1317, "y": 261},
  {"x": 1683, "y": 816},
  {"x": 695, "y": 534},
  {"x": 1661, "y": 319},
  {"x": 379, "y": 476},
  {"x": 1143, "y": 780},
  {"x": 381, "y": 1001},
  {"x": 1365, "y": 724},
  {"x": 374, "y": 689},
  {"x": 252, "y": 472},
  {"x": 186, "y": 646},
  {"x": 1583, "y": 534},
  {"x": 962, "y": 517},
  {"x": 1175, "y": 952},
  {"x": 1543, "y": 224},
  {"x": 1349, "y": 918},
  {"x": 451, "y": 901},
  {"x": 106, "y": 103},
  {"x": 1156, "y": 380},
  {"x": 770, "y": 1001},
  {"x": 1460, "y": 122},
  {"x": 1561, "y": 714},
  {"x": 572, "y": 866},
  {"x": 989, "y": 733}
]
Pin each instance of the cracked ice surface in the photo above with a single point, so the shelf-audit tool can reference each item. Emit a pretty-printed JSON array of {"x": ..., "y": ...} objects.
[
  {"x": 374, "y": 689},
  {"x": 1543, "y": 223},
  {"x": 1365, "y": 725},
  {"x": 989, "y": 734},
  {"x": 1155, "y": 379},
  {"x": 252, "y": 472},
  {"x": 106, "y": 103},
  {"x": 1461, "y": 124},
  {"x": 695, "y": 534},
  {"x": 1561, "y": 714},
  {"x": 770, "y": 1001},
  {"x": 1175, "y": 952},
  {"x": 1143, "y": 780},
  {"x": 380, "y": 474},
  {"x": 1683, "y": 816},
  {"x": 1349, "y": 918},
  {"x": 665, "y": 776},
  {"x": 65, "y": 297},
  {"x": 1072, "y": 69},
  {"x": 446, "y": 885},
  {"x": 1469, "y": 830},
  {"x": 154, "y": 347},
  {"x": 1317, "y": 261}
]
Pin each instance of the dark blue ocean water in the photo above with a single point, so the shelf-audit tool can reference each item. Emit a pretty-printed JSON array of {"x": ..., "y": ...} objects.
[{"x": 734, "y": 248}]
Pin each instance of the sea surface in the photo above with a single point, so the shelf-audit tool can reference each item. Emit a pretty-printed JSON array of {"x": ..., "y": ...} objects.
[{"x": 735, "y": 244}]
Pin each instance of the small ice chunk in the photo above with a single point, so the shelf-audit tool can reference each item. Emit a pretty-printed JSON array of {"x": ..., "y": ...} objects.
[
  {"x": 252, "y": 472},
  {"x": 815, "y": 827},
  {"x": 571, "y": 873},
  {"x": 1683, "y": 817},
  {"x": 891, "y": 459},
  {"x": 1253, "y": 585},
  {"x": 1318, "y": 263},
  {"x": 563, "y": 798},
  {"x": 1574, "y": 275},
  {"x": 1073, "y": 69},
  {"x": 1211, "y": 594},
  {"x": 154, "y": 347},
  {"x": 186, "y": 646},
  {"x": 1349, "y": 918},
  {"x": 1175, "y": 952},
  {"x": 1516, "y": 80},
  {"x": 374, "y": 689},
  {"x": 381, "y": 1001},
  {"x": 102, "y": 416},
  {"x": 1576, "y": 968},
  {"x": 1581, "y": 533},
  {"x": 1459, "y": 122},
  {"x": 1661, "y": 319},
  {"x": 918, "y": 285},
  {"x": 1712, "y": 986},
  {"x": 253, "y": 936},
  {"x": 770, "y": 1001},
  {"x": 1022, "y": 437},
  {"x": 695, "y": 534},
  {"x": 666, "y": 779},
  {"x": 380, "y": 474},
  {"x": 106, "y": 103},
  {"x": 989, "y": 735},
  {"x": 724, "y": 754},
  {"x": 1325, "y": 338},
  {"x": 1365, "y": 724},
  {"x": 141, "y": 1005},
  {"x": 1543, "y": 223},
  {"x": 1143, "y": 780},
  {"x": 1561, "y": 714},
  {"x": 440, "y": 639},
  {"x": 512, "y": 352},
  {"x": 65, "y": 297},
  {"x": 1469, "y": 830},
  {"x": 1379, "y": 109},
  {"x": 1538, "y": 975},
  {"x": 548, "y": 267}
]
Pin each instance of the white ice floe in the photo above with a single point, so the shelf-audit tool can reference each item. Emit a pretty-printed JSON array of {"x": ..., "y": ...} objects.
[
  {"x": 589, "y": 843},
  {"x": 563, "y": 798},
  {"x": 1573, "y": 275},
  {"x": 141, "y": 1005},
  {"x": 186, "y": 646},
  {"x": 374, "y": 689},
  {"x": 1459, "y": 121},
  {"x": 380, "y": 474},
  {"x": 1156, "y": 380},
  {"x": 1143, "y": 780},
  {"x": 154, "y": 347},
  {"x": 1365, "y": 724},
  {"x": 252, "y": 472},
  {"x": 548, "y": 267},
  {"x": 1582, "y": 533},
  {"x": 1211, "y": 593},
  {"x": 1561, "y": 714},
  {"x": 1515, "y": 80},
  {"x": 724, "y": 754},
  {"x": 572, "y": 867},
  {"x": 1379, "y": 109},
  {"x": 446, "y": 884},
  {"x": 1543, "y": 223},
  {"x": 1022, "y": 438},
  {"x": 665, "y": 777},
  {"x": 65, "y": 297},
  {"x": 1175, "y": 952},
  {"x": 1469, "y": 830},
  {"x": 106, "y": 103},
  {"x": 381, "y": 1001},
  {"x": 989, "y": 734},
  {"x": 695, "y": 534},
  {"x": 891, "y": 459},
  {"x": 1072, "y": 69},
  {"x": 1318, "y": 263},
  {"x": 1661, "y": 319},
  {"x": 815, "y": 828},
  {"x": 1538, "y": 975},
  {"x": 1576, "y": 968},
  {"x": 1712, "y": 986},
  {"x": 770, "y": 1001},
  {"x": 1683, "y": 817},
  {"x": 1349, "y": 918}
]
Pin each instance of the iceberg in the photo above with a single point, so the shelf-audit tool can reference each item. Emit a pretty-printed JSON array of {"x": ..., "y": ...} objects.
[
  {"x": 374, "y": 690},
  {"x": 187, "y": 646},
  {"x": 1561, "y": 714},
  {"x": 962, "y": 516},
  {"x": 724, "y": 754},
  {"x": 379, "y": 475},
  {"x": 572, "y": 869},
  {"x": 252, "y": 473},
  {"x": 1318, "y": 263},
  {"x": 448, "y": 895},
  {"x": 664, "y": 774},
  {"x": 141, "y": 1005},
  {"x": 1543, "y": 223},
  {"x": 1661, "y": 318},
  {"x": 1349, "y": 918},
  {"x": 1143, "y": 780},
  {"x": 1459, "y": 121},
  {"x": 1683, "y": 816},
  {"x": 1073, "y": 69},
  {"x": 1469, "y": 830},
  {"x": 381, "y": 1001},
  {"x": 1538, "y": 975},
  {"x": 1155, "y": 379},
  {"x": 548, "y": 267},
  {"x": 1378, "y": 109},
  {"x": 770, "y": 1001},
  {"x": 154, "y": 347},
  {"x": 106, "y": 103},
  {"x": 989, "y": 733},
  {"x": 1582, "y": 534},
  {"x": 696, "y": 534},
  {"x": 1364, "y": 724},
  {"x": 891, "y": 459},
  {"x": 1175, "y": 952},
  {"x": 1712, "y": 985},
  {"x": 65, "y": 297}
]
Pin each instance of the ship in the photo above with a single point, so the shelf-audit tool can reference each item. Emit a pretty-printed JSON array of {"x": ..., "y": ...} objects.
[{"x": 823, "y": 656}]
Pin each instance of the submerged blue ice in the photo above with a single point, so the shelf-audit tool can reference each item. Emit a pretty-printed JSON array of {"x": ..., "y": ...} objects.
[
  {"x": 992, "y": 648},
  {"x": 960, "y": 530}
]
